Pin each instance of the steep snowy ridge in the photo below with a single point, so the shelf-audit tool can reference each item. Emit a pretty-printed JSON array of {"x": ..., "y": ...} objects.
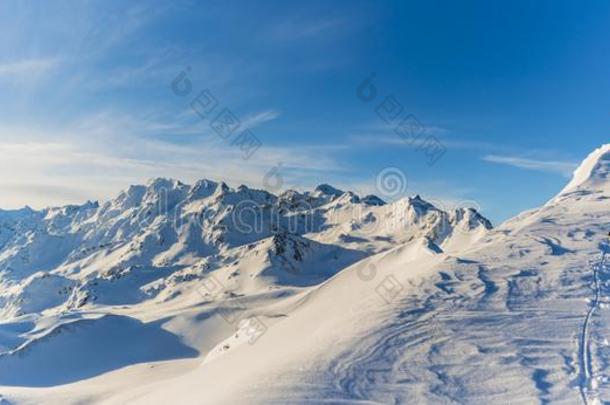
[{"x": 593, "y": 173}]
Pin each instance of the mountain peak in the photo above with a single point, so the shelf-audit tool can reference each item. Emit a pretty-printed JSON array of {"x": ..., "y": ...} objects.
[
  {"x": 372, "y": 199},
  {"x": 158, "y": 183},
  {"x": 593, "y": 173},
  {"x": 329, "y": 190},
  {"x": 419, "y": 203}
]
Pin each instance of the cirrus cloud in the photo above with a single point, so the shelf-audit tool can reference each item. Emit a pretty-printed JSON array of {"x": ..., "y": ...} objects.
[{"x": 553, "y": 166}]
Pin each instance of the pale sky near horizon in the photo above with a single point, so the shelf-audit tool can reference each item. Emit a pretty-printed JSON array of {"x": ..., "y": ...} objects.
[{"x": 517, "y": 93}]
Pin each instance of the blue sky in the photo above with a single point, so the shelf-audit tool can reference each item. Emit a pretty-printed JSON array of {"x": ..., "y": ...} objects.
[{"x": 516, "y": 92}]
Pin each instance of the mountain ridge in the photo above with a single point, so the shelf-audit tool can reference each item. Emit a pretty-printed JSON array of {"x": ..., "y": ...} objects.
[{"x": 385, "y": 302}]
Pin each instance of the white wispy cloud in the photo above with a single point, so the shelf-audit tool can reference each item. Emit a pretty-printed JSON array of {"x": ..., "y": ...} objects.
[
  {"x": 259, "y": 118},
  {"x": 97, "y": 156},
  {"x": 383, "y": 139},
  {"x": 378, "y": 133},
  {"x": 554, "y": 166},
  {"x": 27, "y": 68}
]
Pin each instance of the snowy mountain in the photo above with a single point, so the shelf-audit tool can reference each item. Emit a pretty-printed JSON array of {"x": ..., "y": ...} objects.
[{"x": 208, "y": 294}]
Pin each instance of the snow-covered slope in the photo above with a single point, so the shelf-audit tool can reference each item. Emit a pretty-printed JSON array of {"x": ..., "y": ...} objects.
[
  {"x": 183, "y": 265},
  {"x": 317, "y": 297}
]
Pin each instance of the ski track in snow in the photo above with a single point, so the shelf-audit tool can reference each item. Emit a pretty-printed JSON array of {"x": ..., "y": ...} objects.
[
  {"x": 586, "y": 385},
  {"x": 451, "y": 343},
  {"x": 390, "y": 367}
]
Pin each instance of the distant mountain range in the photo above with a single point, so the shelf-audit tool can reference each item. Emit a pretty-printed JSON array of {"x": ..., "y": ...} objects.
[{"x": 207, "y": 294}]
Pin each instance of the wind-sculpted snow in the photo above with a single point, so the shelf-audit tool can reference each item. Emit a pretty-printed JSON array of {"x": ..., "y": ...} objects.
[
  {"x": 313, "y": 297},
  {"x": 593, "y": 173}
]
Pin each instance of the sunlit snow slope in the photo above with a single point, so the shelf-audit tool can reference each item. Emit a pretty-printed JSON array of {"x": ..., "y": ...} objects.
[{"x": 399, "y": 303}]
